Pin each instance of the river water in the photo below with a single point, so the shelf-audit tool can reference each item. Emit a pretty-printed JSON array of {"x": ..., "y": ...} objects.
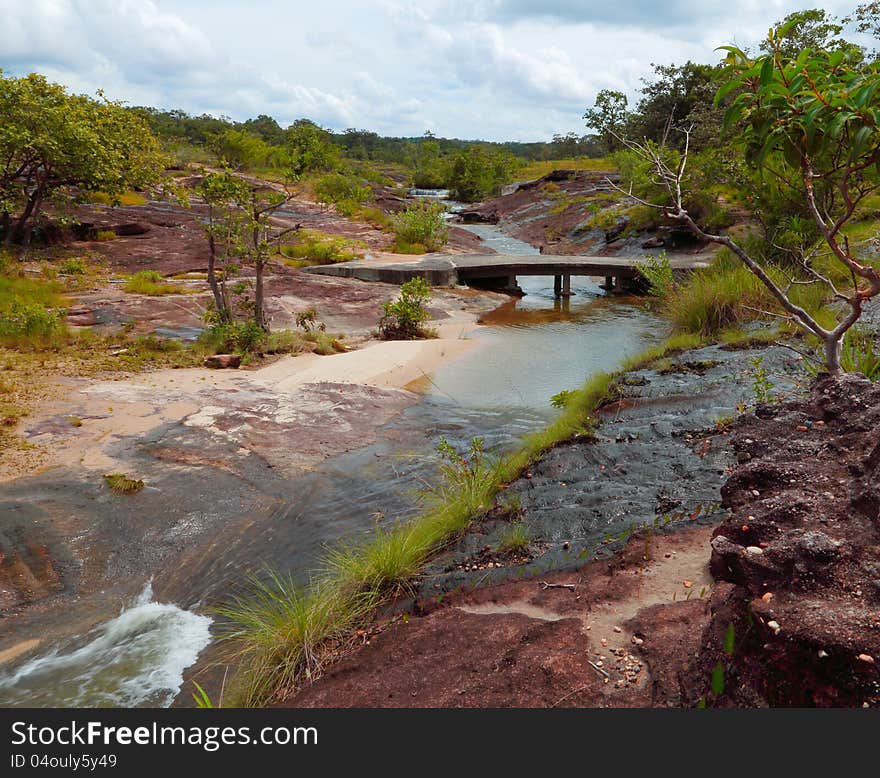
[{"x": 530, "y": 349}]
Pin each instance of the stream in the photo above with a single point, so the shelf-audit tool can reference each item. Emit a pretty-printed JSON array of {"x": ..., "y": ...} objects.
[{"x": 529, "y": 349}]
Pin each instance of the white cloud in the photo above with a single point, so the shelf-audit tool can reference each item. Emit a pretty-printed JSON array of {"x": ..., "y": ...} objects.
[{"x": 496, "y": 69}]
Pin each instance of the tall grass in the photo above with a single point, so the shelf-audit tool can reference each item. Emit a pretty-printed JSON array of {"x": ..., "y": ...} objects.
[
  {"x": 285, "y": 635},
  {"x": 31, "y": 312},
  {"x": 153, "y": 283},
  {"x": 727, "y": 294},
  {"x": 538, "y": 169}
]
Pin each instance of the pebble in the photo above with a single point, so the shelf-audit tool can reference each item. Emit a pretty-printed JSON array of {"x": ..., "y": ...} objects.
[
  {"x": 866, "y": 658},
  {"x": 823, "y": 653},
  {"x": 637, "y": 641},
  {"x": 774, "y": 625},
  {"x": 767, "y": 596},
  {"x": 604, "y": 642},
  {"x": 754, "y": 550},
  {"x": 618, "y": 629}
]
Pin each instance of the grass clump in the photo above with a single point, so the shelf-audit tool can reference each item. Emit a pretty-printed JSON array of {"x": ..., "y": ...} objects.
[
  {"x": 405, "y": 317},
  {"x": 126, "y": 198},
  {"x": 31, "y": 313},
  {"x": 313, "y": 247},
  {"x": 285, "y": 634},
  {"x": 123, "y": 484},
  {"x": 105, "y": 235},
  {"x": 153, "y": 283},
  {"x": 515, "y": 540},
  {"x": 423, "y": 224}
]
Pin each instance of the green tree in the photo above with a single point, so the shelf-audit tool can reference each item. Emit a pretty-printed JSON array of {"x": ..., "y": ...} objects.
[
  {"x": 225, "y": 195},
  {"x": 815, "y": 113},
  {"x": 682, "y": 94},
  {"x": 311, "y": 148},
  {"x": 814, "y": 29},
  {"x": 55, "y": 146},
  {"x": 608, "y": 117},
  {"x": 479, "y": 172}
]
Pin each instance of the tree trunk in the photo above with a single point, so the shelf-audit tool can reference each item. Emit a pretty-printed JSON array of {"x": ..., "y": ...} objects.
[
  {"x": 832, "y": 355},
  {"x": 219, "y": 299},
  {"x": 259, "y": 316}
]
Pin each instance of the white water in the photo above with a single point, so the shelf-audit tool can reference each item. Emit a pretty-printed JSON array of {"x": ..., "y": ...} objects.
[{"x": 136, "y": 659}]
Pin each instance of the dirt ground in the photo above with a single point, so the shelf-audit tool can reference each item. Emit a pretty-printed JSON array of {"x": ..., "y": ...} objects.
[{"x": 617, "y": 633}]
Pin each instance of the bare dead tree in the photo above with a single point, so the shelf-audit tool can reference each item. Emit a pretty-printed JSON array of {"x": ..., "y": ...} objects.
[{"x": 865, "y": 279}]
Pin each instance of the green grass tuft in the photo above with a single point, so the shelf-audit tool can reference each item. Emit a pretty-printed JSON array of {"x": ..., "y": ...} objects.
[
  {"x": 152, "y": 283},
  {"x": 123, "y": 484}
]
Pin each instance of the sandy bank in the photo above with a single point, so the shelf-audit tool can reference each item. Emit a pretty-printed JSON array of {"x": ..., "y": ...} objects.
[{"x": 89, "y": 416}]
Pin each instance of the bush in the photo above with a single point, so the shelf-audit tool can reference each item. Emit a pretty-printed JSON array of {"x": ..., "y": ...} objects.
[
  {"x": 658, "y": 273},
  {"x": 245, "y": 337},
  {"x": 105, "y": 235},
  {"x": 404, "y": 318},
  {"x": 29, "y": 322},
  {"x": 342, "y": 191},
  {"x": 72, "y": 267},
  {"x": 421, "y": 223}
]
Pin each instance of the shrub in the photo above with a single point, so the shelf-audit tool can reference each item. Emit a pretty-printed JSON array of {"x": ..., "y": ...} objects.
[
  {"x": 104, "y": 235},
  {"x": 404, "y": 318},
  {"x": 72, "y": 267},
  {"x": 343, "y": 191},
  {"x": 245, "y": 337},
  {"x": 152, "y": 283},
  {"x": 29, "y": 322},
  {"x": 422, "y": 222},
  {"x": 658, "y": 273}
]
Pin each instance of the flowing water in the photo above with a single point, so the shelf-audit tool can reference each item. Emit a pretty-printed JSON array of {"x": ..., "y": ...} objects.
[{"x": 530, "y": 349}]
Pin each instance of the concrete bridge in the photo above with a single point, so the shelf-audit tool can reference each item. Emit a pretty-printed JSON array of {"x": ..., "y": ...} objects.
[{"x": 499, "y": 271}]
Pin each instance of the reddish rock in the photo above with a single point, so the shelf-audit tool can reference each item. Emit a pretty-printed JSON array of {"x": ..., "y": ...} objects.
[{"x": 223, "y": 361}]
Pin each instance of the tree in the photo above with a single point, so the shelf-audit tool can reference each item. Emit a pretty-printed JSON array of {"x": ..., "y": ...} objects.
[
  {"x": 55, "y": 146},
  {"x": 225, "y": 195},
  {"x": 815, "y": 112},
  {"x": 608, "y": 117},
  {"x": 479, "y": 172},
  {"x": 681, "y": 93},
  {"x": 811, "y": 29},
  {"x": 311, "y": 148}
]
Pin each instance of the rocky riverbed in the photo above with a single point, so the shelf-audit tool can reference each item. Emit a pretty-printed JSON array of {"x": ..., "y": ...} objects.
[{"x": 631, "y": 628}]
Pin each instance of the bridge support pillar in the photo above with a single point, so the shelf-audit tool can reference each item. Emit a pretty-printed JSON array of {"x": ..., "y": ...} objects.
[
  {"x": 566, "y": 286},
  {"x": 557, "y": 286}
]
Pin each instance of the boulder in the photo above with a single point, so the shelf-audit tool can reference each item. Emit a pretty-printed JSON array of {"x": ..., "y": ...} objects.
[{"x": 223, "y": 361}]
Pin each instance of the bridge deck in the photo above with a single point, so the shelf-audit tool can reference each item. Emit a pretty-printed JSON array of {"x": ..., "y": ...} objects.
[{"x": 449, "y": 270}]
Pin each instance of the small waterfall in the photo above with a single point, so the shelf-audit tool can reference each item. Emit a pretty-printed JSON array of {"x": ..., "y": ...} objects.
[{"x": 136, "y": 659}]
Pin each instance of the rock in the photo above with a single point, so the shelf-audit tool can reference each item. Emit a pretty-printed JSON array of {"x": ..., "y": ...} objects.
[
  {"x": 755, "y": 550},
  {"x": 131, "y": 228},
  {"x": 637, "y": 641},
  {"x": 817, "y": 546},
  {"x": 867, "y": 658},
  {"x": 774, "y": 625},
  {"x": 223, "y": 361},
  {"x": 81, "y": 317}
]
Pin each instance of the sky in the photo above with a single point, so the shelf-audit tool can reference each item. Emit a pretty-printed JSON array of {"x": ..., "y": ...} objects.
[{"x": 489, "y": 69}]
